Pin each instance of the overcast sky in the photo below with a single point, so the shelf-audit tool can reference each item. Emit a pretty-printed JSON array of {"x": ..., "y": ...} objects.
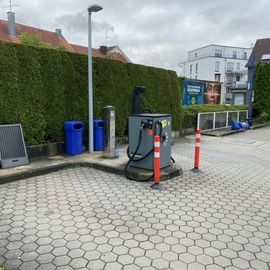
[{"x": 151, "y": 32}]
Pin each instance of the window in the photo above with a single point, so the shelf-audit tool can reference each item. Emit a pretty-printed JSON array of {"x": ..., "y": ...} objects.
[
  {"x": 244, "y": 55},
  {"x": 237, "y": 78},
  {"x": 196, "y": 77},
  {"x": 229, "y": 79},
  {"x": 196, "y": 68},
  {"x": 218, "y": 53},
  {"x": 230, "y": 66},
  {"x": 217, "y": 66},
  {"x": 217, "y": 77},
  {"x": 190, "y": 69},
  {"x": 196, "y": 54},
  {"x": 234, "y": 54},
  {"x": 237, "y": 66}
]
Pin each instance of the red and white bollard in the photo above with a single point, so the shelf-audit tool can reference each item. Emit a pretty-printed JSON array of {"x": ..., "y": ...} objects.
[
  {"x": 197, "y": 150},
  {"x": 156, "y": 184}
]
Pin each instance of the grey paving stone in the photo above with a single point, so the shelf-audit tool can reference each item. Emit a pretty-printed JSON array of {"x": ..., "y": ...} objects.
[
  {"x": 160, "y": 264},
  {"x": 28, "y": 265},
  {"x": 96, "y": 265},
  {"x": 212, "y": 221},
  {"x": 15, "y": 264},
  {"x": 176, "y": 265},
  {"x": 47, "y": 266},
  {"x": 78, "y": 263},
  {"x": 61, "y": 260}
]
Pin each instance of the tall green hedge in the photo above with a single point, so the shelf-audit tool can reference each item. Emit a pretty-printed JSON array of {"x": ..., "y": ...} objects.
[
  {"x": 262, "y": 89},
  {"x": 42, "y": 88}
]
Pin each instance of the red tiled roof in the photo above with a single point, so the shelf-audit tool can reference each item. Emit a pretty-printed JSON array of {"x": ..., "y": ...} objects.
[
  {"x": 97, "y": 53},
  {"x": 46, "y": 36},
  {"x": 53, "y": 39}
]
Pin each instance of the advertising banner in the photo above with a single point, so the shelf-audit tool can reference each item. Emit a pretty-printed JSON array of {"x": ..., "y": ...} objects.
[
  {"x": 212, "y": 93},
  {"x": 193, "y": 92}
]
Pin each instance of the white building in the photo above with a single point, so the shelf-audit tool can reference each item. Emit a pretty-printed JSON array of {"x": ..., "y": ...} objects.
[{"x": 225, "y": 64}]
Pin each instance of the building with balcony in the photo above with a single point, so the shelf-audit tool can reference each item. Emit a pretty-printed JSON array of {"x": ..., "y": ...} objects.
[{"x": 225, "y": 64}]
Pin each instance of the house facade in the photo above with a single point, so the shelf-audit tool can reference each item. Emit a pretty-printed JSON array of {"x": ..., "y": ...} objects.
[
  {"x": 10, "y": 31},
  {"x": 225, "y": 64}
]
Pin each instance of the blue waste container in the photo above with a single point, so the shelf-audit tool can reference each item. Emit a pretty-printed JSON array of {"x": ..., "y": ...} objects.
[
  {"x": 74, "y": 137},
  {"x": 99, "y": 135},
  {"x": 249, "y": 120}
]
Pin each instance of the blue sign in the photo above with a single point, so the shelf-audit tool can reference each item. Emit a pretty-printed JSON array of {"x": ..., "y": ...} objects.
[{"x": 193, "y": 92}]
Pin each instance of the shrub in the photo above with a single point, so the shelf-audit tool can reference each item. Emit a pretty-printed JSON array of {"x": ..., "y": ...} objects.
[
  {"x": 33, "y": 40},
  {"x": 190, "y": 112},
  {"x": 42, "y": 88},
  {"x": 262, "y": 88}
]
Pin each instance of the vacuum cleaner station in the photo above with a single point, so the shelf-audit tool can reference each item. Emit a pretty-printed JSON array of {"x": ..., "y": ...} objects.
[
  {"x": 141, "y": 129},
  {"x": 149, "y": 139}
]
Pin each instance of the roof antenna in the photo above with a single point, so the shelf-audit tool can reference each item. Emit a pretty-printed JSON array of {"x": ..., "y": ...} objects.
[
  {"x": 10, "y": 6},
  {"x": 107, "y": 28}
]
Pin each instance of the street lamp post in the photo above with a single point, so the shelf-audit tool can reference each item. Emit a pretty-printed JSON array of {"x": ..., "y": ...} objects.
[{"x": 91, "y": 8}]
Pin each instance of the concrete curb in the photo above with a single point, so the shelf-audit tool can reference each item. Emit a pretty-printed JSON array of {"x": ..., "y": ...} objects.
[{"x": 166, "y": 174}]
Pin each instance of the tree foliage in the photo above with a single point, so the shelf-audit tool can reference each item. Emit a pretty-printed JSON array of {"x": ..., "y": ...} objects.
[{"x": 262, "y": 89}]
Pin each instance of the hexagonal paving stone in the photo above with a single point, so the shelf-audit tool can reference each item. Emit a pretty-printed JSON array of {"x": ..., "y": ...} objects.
[
  {"x": 125, "y": 259},
  {"x": 187, "y": 258},
  {"x": 47, "y": 266},
  {"x": 160, "y": 264},
  {"x": 61, "y": 260},
  {"x": 76, "y": 253},
  {"x": 78, "y": 263},
  {"x": 196, "y": 266},
  {"x": 136, "y": 252},
  {"x": 96, "y": 265},
  {"x": 222, "y": 261},
  {"x": 108, "y": 257},
  {"x": 177, "y": 265},
  {"x": 45, "y": 258}
]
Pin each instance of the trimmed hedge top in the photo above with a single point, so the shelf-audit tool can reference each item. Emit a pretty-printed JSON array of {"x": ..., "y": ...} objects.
[{"x": 42, "y": 88}]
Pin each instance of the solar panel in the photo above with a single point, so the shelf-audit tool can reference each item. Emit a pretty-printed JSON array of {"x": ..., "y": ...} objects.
[{"x": 12, "y": 146}]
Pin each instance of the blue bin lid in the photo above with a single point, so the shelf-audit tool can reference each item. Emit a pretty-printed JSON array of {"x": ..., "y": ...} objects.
[
  {"x": 73, "y": 125},
  {"x": 98, "y": 123}
]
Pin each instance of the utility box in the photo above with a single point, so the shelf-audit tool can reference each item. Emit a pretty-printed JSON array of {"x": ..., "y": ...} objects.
[
  {"x": 147, "y": 142},
  {"x": 109, "y": 118}
]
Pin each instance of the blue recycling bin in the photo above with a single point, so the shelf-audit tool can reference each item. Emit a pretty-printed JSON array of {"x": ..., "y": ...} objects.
[
  {"x": 99, "y": 135},
  {"x": 74, "y": 137},
  {"x": 249, "y": 120}
]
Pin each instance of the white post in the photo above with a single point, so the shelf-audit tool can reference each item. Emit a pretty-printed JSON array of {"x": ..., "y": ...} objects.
[
  {"x": 92, "y": 8},
  {"x": 90, "y": 87},
  {"x": 227, "y": 119},
  {"x": 214, "y": 120},
  {"x": 198, "y": 121}
]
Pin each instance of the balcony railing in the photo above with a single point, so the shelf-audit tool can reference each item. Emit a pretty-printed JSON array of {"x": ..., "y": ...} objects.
[
  {"x": 233, "y": 84},
  {"x": 192, "y": 57}
]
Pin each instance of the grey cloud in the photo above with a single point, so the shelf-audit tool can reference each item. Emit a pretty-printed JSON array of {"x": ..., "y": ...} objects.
[{"x": 154, "y": 32}]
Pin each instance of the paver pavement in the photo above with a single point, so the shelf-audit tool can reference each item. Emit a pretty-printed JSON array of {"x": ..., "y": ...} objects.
[{"x": 81, "y": 218}]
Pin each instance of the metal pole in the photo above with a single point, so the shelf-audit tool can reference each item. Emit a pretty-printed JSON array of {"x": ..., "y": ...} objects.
[{"x": 90, "y": 87}]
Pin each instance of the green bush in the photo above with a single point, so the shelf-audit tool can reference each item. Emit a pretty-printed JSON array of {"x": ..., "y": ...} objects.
[
  {"x": 42, "y": 88},
  {"x": 190, "y": 112},
  {"x": 33, "y": 40}
]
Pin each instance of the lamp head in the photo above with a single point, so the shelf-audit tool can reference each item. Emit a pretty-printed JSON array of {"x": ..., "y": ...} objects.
[{"x": 94, "y": 8}]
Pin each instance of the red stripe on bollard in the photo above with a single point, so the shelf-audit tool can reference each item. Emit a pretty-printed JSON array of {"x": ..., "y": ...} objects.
[
  {"x": 197, "y": 149},
  {"x": 157, "y": 159}
]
